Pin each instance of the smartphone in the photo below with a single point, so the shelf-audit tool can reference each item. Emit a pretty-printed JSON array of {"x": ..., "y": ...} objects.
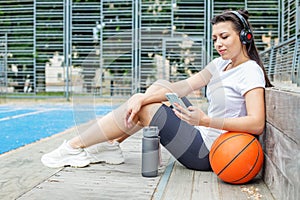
[{"x": 173, "y": 98}]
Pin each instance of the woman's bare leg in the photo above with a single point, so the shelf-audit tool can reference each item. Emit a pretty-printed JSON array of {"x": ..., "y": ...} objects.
[
  {"x": 112, "y": 126},
  {"x": 108, "y": 127},
  {"x": 122, "y": 138}
]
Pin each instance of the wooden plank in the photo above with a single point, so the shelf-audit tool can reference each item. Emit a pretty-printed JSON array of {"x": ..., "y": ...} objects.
[
  {"x": 282, "y": 164},
  {"x": 257, "y": 189},
  {"x": 158, "y": 193},
  {"x": 272, "y": 177},
  {"x": 21, "y": 169},
  {"x": 95, "y": 182},
  {"x": 193, "y": 185},
  {"x": 102, "y": 181},
  {"x": 205, "y": 186},
  {"x": 282, "y": 151},
  {"x": 281, "y": 144},
  {"x": 180, "y": 183},
  {"x": 229, "y": 192},
  {"x": 283, "y": 112},
  {"x": 213, "y": 188}
]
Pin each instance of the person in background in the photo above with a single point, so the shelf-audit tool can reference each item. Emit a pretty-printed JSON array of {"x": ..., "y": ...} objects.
[{"x": 27, "y": 85}]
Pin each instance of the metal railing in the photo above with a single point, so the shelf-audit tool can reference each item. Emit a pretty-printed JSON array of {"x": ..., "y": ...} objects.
[
  {"x": 115, "y": 47},
  {"x": 282, "y": 61},
  {"x": 290, "y": 23},
  {"x": 3, "y": 64}
]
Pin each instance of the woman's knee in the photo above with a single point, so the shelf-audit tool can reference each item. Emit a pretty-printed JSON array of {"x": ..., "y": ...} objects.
[
  {"x": 160, "y": 84},
  {"x": 147, "y": 112}
]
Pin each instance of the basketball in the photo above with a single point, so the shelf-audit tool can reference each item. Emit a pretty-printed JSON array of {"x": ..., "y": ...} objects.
[{"x": 236, "y": 158}]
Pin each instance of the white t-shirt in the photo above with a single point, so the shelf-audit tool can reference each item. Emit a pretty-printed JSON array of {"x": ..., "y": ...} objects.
[{"x": 225, "y": 92}]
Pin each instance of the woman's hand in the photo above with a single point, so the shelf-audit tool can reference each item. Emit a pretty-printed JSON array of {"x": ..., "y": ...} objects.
[
  {"x": 134, "y": 105},
  {"x": 192, "y": 115}
]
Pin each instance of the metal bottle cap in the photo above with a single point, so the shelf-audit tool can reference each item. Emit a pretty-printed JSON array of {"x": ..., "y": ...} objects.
[{"x": 150, "y": 131}]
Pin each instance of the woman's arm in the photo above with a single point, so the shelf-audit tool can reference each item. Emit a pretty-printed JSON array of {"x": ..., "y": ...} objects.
[
  {"x": 253, "y": 123},
  {"x": 195, "y": 82},
  {"x": 157, "y": 91}
]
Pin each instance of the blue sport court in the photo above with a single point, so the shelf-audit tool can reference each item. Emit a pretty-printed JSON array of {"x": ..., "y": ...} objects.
[{"x": 25, "y": 124}]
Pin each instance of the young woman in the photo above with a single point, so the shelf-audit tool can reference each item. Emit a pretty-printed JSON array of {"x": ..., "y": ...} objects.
[{"x": 235, "y": 91}]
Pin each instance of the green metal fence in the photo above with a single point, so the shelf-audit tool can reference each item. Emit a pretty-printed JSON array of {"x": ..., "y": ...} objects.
[
  {"x": 282, "y": 60},
  {"x": 119, "y": 47},
  {"x": 3, "y": 61}
]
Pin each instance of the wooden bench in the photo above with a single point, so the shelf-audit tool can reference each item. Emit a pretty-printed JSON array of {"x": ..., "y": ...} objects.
[
  {"x": 182, "y": 183},
  {"x": 281, "y": 142}
]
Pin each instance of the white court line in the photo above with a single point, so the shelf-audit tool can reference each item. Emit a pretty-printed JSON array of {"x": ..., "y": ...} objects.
[
  {"x": 24, "y": 115},
  {"x": 9, "y": 110}
]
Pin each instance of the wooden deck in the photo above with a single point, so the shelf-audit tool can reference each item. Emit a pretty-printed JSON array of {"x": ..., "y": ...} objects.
[
  {"x": 194, "y": 185},
  {"x": 24, "y": 177}
]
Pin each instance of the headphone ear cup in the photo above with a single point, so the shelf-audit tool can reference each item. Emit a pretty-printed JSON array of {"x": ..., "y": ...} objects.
[
  {"x": 249, "y": 37},
  {"x": 246, "y": 36},
  {"x": 242, "y": 37}
]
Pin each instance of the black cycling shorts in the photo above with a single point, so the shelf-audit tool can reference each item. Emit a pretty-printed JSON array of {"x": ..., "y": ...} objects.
[{"x": 181, "y": 139}]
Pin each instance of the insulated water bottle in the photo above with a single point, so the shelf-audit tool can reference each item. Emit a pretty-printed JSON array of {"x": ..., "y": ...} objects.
[{"x": 150, "y": 151}]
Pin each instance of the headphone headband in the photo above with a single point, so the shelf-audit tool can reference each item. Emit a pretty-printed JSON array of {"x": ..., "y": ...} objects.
[
  {"x": 246, "y": 34},
  {"x": 242, "y": 19}
]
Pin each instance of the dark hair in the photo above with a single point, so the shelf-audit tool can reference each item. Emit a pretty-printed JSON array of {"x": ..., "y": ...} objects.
[{"x": 239, "y": 26}]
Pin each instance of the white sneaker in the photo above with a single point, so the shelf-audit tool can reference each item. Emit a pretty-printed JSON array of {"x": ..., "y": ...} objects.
[
  {"x": 64, "y": 156},
  {"x": 106, "y": 152}
]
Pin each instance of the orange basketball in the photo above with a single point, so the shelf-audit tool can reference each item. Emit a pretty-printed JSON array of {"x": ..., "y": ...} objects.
[{"x": 236, "y": 157}]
